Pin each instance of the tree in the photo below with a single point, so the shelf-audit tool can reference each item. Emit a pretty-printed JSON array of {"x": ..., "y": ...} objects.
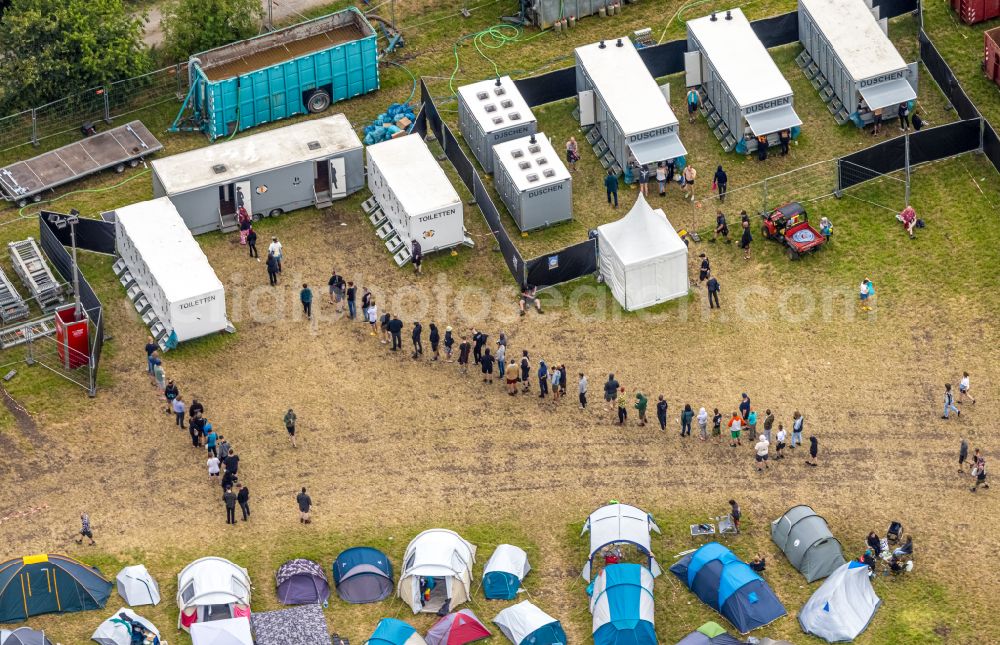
[
  {"x": 193, "y": 26},
  {"x": 53, "y": 48}
]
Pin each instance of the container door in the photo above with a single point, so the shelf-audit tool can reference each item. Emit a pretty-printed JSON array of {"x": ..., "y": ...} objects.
[
  {"x": 586, "y": 98},
  {"x": 338, "y": 178},
  {"x": 227, "y": 202},
  {"x": 244, "y": 206},
  {"x": 321, "y": 186},
  {"x": 692, "y": 69}
]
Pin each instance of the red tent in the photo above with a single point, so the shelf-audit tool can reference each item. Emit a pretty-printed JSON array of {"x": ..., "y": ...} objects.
[{"x": 457, "y": 628}]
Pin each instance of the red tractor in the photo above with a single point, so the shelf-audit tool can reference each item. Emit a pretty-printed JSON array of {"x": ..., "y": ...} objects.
[{"x": 789, "y": 224}]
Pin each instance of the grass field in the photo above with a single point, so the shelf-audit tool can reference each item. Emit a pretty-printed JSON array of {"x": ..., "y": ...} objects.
[{"x": 391, "y": 446}]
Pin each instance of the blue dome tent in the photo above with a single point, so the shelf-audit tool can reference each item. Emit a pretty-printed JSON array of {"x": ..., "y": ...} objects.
[
  {"x": 504, "y": 571},
  {"x": 526, "y": 624},
  {"x": 622, "y": 606},
  {"x": 391, "y": 631},
  {"x": 43, "y": 584},
  {"x": 730, "y": 586},
  {"x": 362, "y": 574}
]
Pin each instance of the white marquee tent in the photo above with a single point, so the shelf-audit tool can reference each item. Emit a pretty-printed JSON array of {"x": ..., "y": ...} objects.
[
  {"x": 642, "y": 259},
  {"x": 117, "y": 631},
  {"x": 137, "y": 587},
  {"x": 843, "y": 605},
  {"x": 442, "y": 558},
  {"x": 619, "y": 523},
  {"x": 210, "y": 587},
  {"x": 231, "y": 631}
]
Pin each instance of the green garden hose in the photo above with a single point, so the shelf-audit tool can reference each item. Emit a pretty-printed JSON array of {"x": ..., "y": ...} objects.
[
  {"x": 493, "y": 37},
  {"x": 20, "y": 212}
]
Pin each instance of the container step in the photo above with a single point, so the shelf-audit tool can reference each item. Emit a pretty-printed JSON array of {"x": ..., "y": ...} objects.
[
  {"x": 402, "y": 256},
  {"x": 818, "y": 82},
  {"x": 826, "y": 94},
  {"x": 593, "y": 136},
  {"x": 377, "y": 217},
  {"x": 394, "y": 243},
  {"x": 842, "y": 117},
  {"x": 118, "y": 266},
  {"x": 385, "y": 231},
  {"x": 729, "y": 144},
  {"x": 804, "y": 59},
  {"x": 370, "y": 205}
]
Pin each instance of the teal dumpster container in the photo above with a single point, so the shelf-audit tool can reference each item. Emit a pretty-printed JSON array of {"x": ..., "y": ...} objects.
[{"x": 299, "y": 69}]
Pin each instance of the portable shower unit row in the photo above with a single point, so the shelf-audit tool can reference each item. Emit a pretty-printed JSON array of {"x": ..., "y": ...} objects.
[
  {"x": 740, "y": 81},
  {"x": 166, "y": 274},
  {"x": 533, "y": 182},
  {"x": 850, "y": 59},
  {"x": 299, "y": 69},
  {"x": 621, "y": 99},
  {"x": 415, "y": 197},
  {"x": 490, "y": 112},
  {"x": 265, "y": 174}
]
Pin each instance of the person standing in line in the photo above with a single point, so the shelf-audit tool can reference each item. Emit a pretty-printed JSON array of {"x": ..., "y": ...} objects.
[
  {"x": 785, "y": 138},
  {"x": 435, "y": 337},
  {"x": 762, "y": 146},
  {"x": 963, "y": 454},
  {"x": 644, "y": 180},
  {"x": 661, "y": 178},
  {"x": 713, "y": 292},
  {"x": 752, "y": 423},
  {"x": 366, "y": 300},
  {"x": 272, "y": 269},
  {"x": 418, "y": 345},
  {"x": 371, "y": 315},
  {"x": 290, "y": 425},
  {"x": 704, "y": 269},
  {"x": 572, "y": 153},
  {"x": 622, "y": 406},
  {"x": 563, "y": 379},
  {"x": 735, "y": 426},
  {"x": 720, "y": 182},
  {"x": 232, "y": 461},
  {"x": 170, "y": 392},
  {"x": 611, "y": 390},
  {"x": 963, "y": 389},
  {"x": 194, "y": 429},
  {"x": 196, "y": 409},
  {"x": 275, "y": 249},
  {"x": 543, "y": 379},
  {"x": 512, "y": 378},
  {"x": 222, "y": 449},
  {"x": 486, "y": 363},
  {"x": 151, "y": 348},
  {"x": 501, "y": 357},
  {"x": 213, "y": 467},
  {"x": 949, "y": 402},
  {"x": 904, "y": 116},
  {"x": 525, "y": 372},
  {"x": 744, "y": 407},
  {"x": 686, "y": 416},
  {"x": 331, "y": 287},
  {"x": 780, "y": 447},
  {"x": 693, "y": 99},
  {"x": 479, "y": 338},
  {"x": 352, "y": 293},
  {"x": 211, "y": 437},
  {"x": 463, "y": 355},
  {"x": 611, "y": 185},
  {"x": 383, "y": 328},
  {"x": 703, "y": 424},
  {"x": 396, "y": 332},
  {"x": 304, "y": 503},
  {"x": 179, "y": 410},
  {"x": 689, "y": 175},
  {"x": 449, "y": 343},
  {"x": 768, "y": 424},
  {"x": 416, "y": 257},
  {"x": 761, "y": 449},
  {"x": 641, "y": 401},
  {"x": 85, "y": 530},
  {"x": 717, "y": 426},
  {"x": 661, "y": 412},
  {"x": 735, "y": 514},
  {"x": 797, "y": 422},
  {"x": 229, "y": 498},
  {"x": 582, "y": 390},
  {"x": 813, "y": 451},
  {"x": 306, "y": 297},
  {"x": 243, "y": 499},
  {"x": 555, "y": 379}
]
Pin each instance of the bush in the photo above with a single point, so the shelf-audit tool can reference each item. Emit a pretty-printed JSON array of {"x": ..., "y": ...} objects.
[{"x": 192, "y": 26}]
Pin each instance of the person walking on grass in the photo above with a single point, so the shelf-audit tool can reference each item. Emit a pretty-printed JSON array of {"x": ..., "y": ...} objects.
[
  {"x": 252, "y": 243},
  {"x": 306, "y": 298},
  {"x": 229, "y": 498},
  {"x": 760, "y": 452},
  {"x": 543, "y": 379},
  {"x": 396, "y": 333},
  {"x": 813, "y": 451},
  {"x": 963, "y": 454},
  {"x": 704, "y": 269},
  {"x": 211, "y": 440},
  {"x": 735, "y": 426},
  {"x": 572, "y": 153},
  {"x": 463, "y": 355},
  {"x": 692, "y": 100},
  {"x": 85, "y": 530},
  {"x": 435, "y": 338},
  {"x": 686, "y": 416},
  {"x": 797, "y": 423},
  {"x": 979, "y": 472},
  {"x": 232, "y": 461},
  {"x": 703, "y": 424},
  {"x": 780, "y": 446},
  {"x": 963, "y": 389},
  {"x": 418, "y": 345},
  {"x": 525, "y": 372},
  {"x": 179, "y": 410},
  {"x": 622, "y": 406},
  {"x": 556, "y": 380},
  {"x": 290, "y": 425},
  {"x": 688, "y": 175},
  {"x": 661, "y": 412},
  {"x": 449, "y": 343},
  {"x": 611, "y": 186},
  {"x": 304, "y": 502},
  {"x": 479, "y": 341},
  {"x": 486, "y": 363},
  {"x": 717, "y": 426},
  {"x": 272, "y": 269},
  {"x": 949, "y": 402},
  {"x": 417, "y": 257},
  {"x": 611, "y": 390},
  {"x": 243, "y": 499},
  {"x": 644, "y": 180},
  {"x": 735, "y": 514},
  {"x": 641, "y": 401},
  {"x": 745, "y": 239},
  {"x": 720, "y": 182},
  {"x": 581, "y": 389},
  {"x": 713, "y": 292}
]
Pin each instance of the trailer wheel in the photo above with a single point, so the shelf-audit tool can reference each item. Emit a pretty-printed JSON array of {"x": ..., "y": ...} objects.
[
  {"x": 274, "y": 212},
  {"x": 21, "y": 203},
  {"x": 318, "y": 101},
  {"x": 257, "y": 217},
  {"x": 120, "y": 168},
  {"x": 132, "y": 163},
  {"x": 763, "y": 231},
  {"x": 36, "y": 198},
  {"x": 792, "y": 254}
]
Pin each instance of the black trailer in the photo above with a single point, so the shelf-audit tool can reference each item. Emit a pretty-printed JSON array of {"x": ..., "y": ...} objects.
[{"x": 128, "y": 144}]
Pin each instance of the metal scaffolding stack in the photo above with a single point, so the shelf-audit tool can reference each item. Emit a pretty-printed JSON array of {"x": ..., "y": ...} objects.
[
  {"x": 34, "y": 272},
  {"x": 12, "y": 305}
]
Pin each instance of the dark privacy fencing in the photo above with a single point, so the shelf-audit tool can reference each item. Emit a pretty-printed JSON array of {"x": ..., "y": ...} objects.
[
  {"x": 568, "y": 264},
  {"x": 91, "y": 235}
]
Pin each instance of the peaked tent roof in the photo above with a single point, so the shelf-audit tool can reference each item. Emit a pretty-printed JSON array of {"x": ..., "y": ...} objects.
[
  {"x": 363, "y": 574},
  {"x": 23, "y": 636},
  {"x": 438, "y": 552},
  {"x": 843, "y": 605},
  {"x": 504, "y": 572},
  {"x": 118, "y": 631},
  {"x": 302, "y": 625},
  {"x": 217, "y": 581},
  {"x": 301, "y": 582},
  {"x": 619, "y": 523},
  {"x": 806, "y": 540},
  {"x": 231, "y": 631},
  {"x": 643, "y": 234},
  {"x": 391, "y": 631},
  {"x": 78, "y": 587},
  {"x": 526, "y": 623},
  {"x": 622, "y": 605},
  {"x": 457, "y": 628},
  {"x": 710, "y": 633},
  {"x": 137, "y": 587}
]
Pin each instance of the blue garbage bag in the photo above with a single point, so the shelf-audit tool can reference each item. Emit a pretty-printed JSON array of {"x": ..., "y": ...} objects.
[
  {"x": 741, "y": 147},
  {"x": 796, "y": 131}
]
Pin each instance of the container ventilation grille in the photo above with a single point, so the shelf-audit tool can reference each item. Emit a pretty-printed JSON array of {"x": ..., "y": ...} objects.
[
  {"x": 219, "y": 168},
  {"x": 497, "y": 120},
  {"x": 534, "y": 149},
  {"x": 517, "y": 154},
  {"x": 524, "y": 165},
  {"x": 489, "y": 107},
  {"x": 541, "y": 161},
  {"x": 314, "y": 145},
  {"x": 482, "y": 96},
  {"x": 548, "y": 172},
  {"x": 532, "y": 178},
  {"x": 507, "y": 103},
  {"x": 499, "y": 91},
  {"x": 514, "y": 116}
]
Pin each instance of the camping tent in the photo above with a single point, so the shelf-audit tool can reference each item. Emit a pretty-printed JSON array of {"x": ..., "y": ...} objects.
[
  {"x": 622, "y": 605},
  {"x": 710, "y": 634},
  {"x": 302, "y": 625},
  {"x": 730, "y": 586},
  {"x": 843, "y": 605},
  {"x": 457, "y": 628},
  {"x": 390, "y": 631},
  {"x": 137, "y": 587},
  {"x": 229, "y": 631},
  {"x": 642, "y": 259},
  {"x": 619, "y": 523},
  {"x": 504, "y": 572},
  {"x": 301, "y": 582},
  {"x": 212, "y": 589},
  {"x": 117, "y": 630},
  {"x": 526, "y": 624},
  {"x": 362, "y": 574},
  {"x": 43, "y": 584},
  {"x": 23, "y": 636},
  {"x": 438, "y": 563},
  {"x": 806, "y": 541}
]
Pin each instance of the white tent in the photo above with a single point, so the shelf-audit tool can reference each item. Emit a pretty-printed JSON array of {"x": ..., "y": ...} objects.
[
  {"x": 642, "y": 259},
  {"x": 209, "y": 588},
  {"x": 524, "y": 622},
  {"x": 504, "y": 572},
  {"x": 137, "y": 587},
  {"x": 117, "y": 631},
  {"x": 440, "y": 560},
  {"x": 616, "y": 523},
  {"x": 231, "y": 631},
  {"x": 843, "y": 605}
]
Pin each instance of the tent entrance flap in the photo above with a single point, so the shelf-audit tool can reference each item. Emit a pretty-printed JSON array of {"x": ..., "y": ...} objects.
[
  {"x": 659, "y": 149},
  {"x": 888, "y": 94},
  {"x": 773, "y": 120}
]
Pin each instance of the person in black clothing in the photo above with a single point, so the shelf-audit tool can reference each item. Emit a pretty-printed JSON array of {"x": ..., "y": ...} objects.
[
  {"x": 721, "y": 181},
  {"x": 486, "y": 361},
  {"x": 904, "y": 116},
  {"x": 416, "y": 256},
  {"x": 352, "y": 293},
  {"x": 418, "y": 346},
  {"x": 170, "y": 393},
  {"x": 463, "y": 355},
  {"x": 232, "y": 462},
  {"x": 762, "y": 147},
  {"x": 151, "y": 348},
  {"x": 611, "y": 390},
  {"x": 305, "y": 504},
  {"x": 272, "y": 269},
  {"x": 383, "y": 327},
  {"x": 243, "y": 499},
  {"x": 479, "y": 340},
  {"x": 735, "y": 513},
  {"x": 745, "y": 240},
  {"x": 449, "y": 342},
  {"x": 396, "y": 331},
  {"x": 661, "y": 412},
  {"x": 917, "y": 122},
  {"x": 874, "y": 543},
  {"x": 228, "y": 480},
  {"x": 721, "y": 227},
  {"x": 745, "y": 407},
  {"x": 196, "y": 408},
  {"x": 525, "y": 371},
  {"x": 366, "y": 300},
  {"x": 195, "y": 425},
  {"x": 435, "y": 339},
  {"x": 706, "y": 267},
  {"x": 784, "y": 138},
  {"x": 229, "y": 497},
  {"x": 713, "y": 292},
  {"x": 813, "y": 451},
  {"x": 252, "y": 244},
  {"x": 758, "y": 564}
]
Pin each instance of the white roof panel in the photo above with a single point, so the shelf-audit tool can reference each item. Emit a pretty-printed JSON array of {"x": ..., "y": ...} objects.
[
  {"x": 417, "y": 179},
  {"x": 773, "y": 120},
  {"x": 165, "y": 243},
  {"x": 855, "y": 36},
  {"x": 625, "y": 86},
  {"x": 739, "y": 57},
  {"x": 257, "y": 153},
  {"x": 497, "y": 104},
  {"x": 652, "y": 151},
  {"x": 888, "y": 94},
  {"x": 531, "y": 165}
]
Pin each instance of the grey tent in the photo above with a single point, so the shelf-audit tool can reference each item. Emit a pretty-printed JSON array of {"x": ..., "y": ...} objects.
[
  {"x": 710, "y": 634},
  {"x": 302, "y": 625},
  {"x": 23, "y": 636},
  {"x": 805, "y": 539}
]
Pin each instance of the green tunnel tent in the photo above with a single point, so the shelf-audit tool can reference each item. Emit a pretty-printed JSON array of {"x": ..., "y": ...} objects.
[
  {"x": 806, "y": 540},
  {"x": 45, "y": 584}
]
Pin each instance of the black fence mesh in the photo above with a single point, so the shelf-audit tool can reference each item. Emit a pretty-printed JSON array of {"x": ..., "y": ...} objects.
[
  {"x": 91, "y": 234},
  {"x": 562, "y": 266}
]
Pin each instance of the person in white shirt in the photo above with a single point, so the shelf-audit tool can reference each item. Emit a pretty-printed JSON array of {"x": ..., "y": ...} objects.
[
  {"x": 274, "y": 248},
  {"x": 213, "y": 467},
  {"x": 761, "y": 449},
  {"x": 963, "y": 389},
  {"x": 779, "y": 449}
]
